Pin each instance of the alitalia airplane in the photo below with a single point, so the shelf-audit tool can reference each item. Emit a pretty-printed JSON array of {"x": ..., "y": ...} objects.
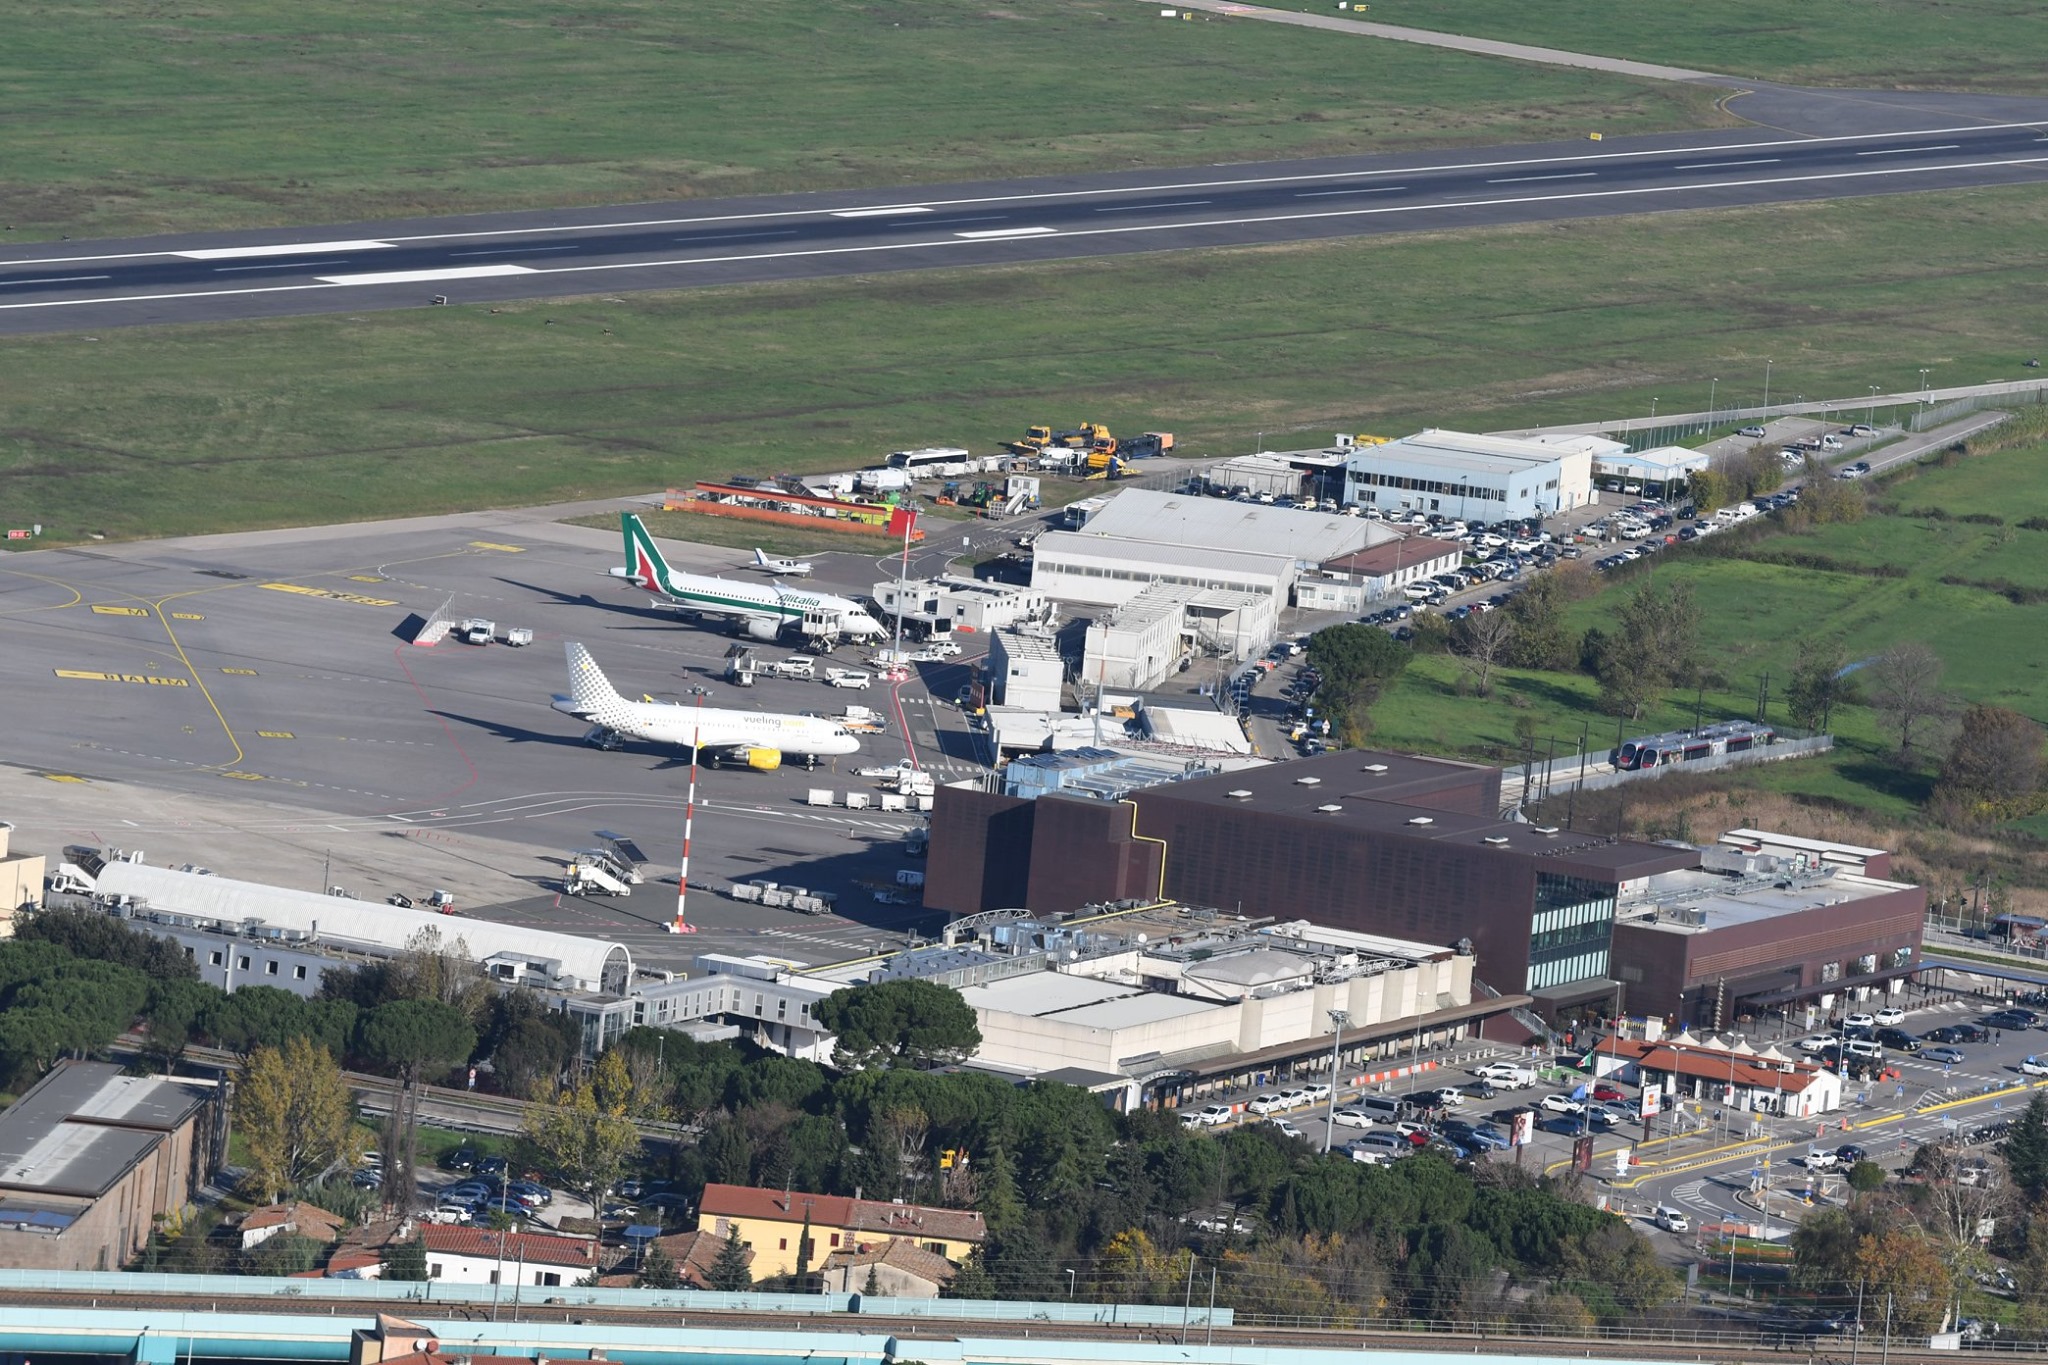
[
  {"x": 757, "y": 738},
  {"x": 764, "y": 610}
]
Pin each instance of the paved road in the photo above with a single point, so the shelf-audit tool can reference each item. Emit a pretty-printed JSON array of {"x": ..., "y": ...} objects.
[{"x": 70, "y": 285}]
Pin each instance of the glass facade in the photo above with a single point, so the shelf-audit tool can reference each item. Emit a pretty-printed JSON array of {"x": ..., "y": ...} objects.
[{"x": 1571, "y": 930}]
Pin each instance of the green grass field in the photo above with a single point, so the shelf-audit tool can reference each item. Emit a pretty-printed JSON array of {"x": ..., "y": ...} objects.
[
  {"x": 172, "y": 431},
  {"x": 1998, "y": 46},
  {"x": 1755, "y": 612},
  {"x": 129, "y": 117}
]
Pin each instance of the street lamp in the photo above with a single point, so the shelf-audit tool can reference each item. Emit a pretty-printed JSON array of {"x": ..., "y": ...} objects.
[
  {"x": 1713, "y": 388},
  {"x": 1767, "y": 390},
  {"x": 1870, "y": 417},
  {"x": 1925, "y": 392},
  {"x": 1070, "y": 1284},
  {"x": 1340, "y": 1018}
]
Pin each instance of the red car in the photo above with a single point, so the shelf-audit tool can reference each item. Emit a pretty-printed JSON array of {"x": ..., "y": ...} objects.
[{"x": 1607, "y": 1094}]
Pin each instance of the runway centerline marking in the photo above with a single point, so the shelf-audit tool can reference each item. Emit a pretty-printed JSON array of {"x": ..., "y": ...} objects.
[
  {"x": 508, "y": 251},
  {"x": 1142, "y": 208},
  {"x": 59, "y": 279},
  {"x": 281, "y": 265},
  {"x": 1563, "y": 175},
  {"x": 885, "y": 212},
  {"x": 1907, "y": 151},
  {"x": 1718, "y": 165},
  {"x": 230, "y": 253},
  {"x": 996, "y": 234},
  {"x": 1327, "y": 194}
]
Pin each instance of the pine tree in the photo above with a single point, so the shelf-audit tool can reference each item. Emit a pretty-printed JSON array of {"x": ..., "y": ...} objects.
[
  {"x": 972, "y": 1280},
  {"x": 658, "y": 1269},
  {"x": 2026, "y": 1148},
  {"x": 406, "y": 1260},
  {"x": 729, "y": 1269},
  {"x": 874, "y": 1284}
]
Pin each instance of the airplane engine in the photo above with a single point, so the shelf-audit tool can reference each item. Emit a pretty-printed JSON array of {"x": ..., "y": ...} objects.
[
  {"x": 760, "y": 628},
  {"x": 764, "y": 760}
]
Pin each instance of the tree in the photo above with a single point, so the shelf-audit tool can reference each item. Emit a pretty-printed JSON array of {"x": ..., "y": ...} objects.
[
  {"x": 1817, "y": 683},
  {"x": 529, "y": 1045},
  {"x": 1905, "y": 687},
  {"x": 872, "y": 1286},
  {"x": 1826, "y": 498},
  {"x": 729, "y": 1268},
  {"x": 2026, "y": 1149},
  {"x": 96, "y": 936},
  {"x": 443, "y": 971},
  {"x": 898, "y": 1023},
  {"x": 406, "y": 1260},
  {"x": 587, "y": 1130},
  {"x": 1482, "y": 641},
  {"x": 1541, "y": 639},
  {"x": 1356, "y": 663},
  {"x": 658, "y": 1269},
  {"x": 971, "y": 1280},
  {"x": 1901, "y": 1265},
  {"x": 1655, "y": 644},
  {"x": 172, "y": 1017},
  {"x": 412, "y": 1039},
  {"x": 1824, "y": 1251},
  {"x": 1993, "y": 767},
  {"x": 296, "y": 1115},
  {"x": 1866, "y": 1177}
]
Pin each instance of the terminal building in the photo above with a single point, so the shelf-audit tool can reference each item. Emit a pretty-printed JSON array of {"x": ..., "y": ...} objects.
[
  {"x": 1140, "y": 538},
  {"x": 1469, "y": 477},
  {"x": 949, "y": 603},
  {"x": 1139, "y": 645}
]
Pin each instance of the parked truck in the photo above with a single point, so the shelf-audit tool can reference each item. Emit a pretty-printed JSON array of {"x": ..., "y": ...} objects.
[{"x": 475, "y": 630}]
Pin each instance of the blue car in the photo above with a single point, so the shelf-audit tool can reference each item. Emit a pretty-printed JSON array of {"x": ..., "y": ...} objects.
[
  {"x": 1567, "y": 1124},
  {"x": 1485, "y": 1137}
]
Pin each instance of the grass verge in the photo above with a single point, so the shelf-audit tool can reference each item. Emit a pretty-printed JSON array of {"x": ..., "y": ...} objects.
[
  {"x": 1918, "y": 573},
  {"x": 1997, "y": 46},
  {"x": 175, "y": 431},
  {"x": 128, "y": 117}
]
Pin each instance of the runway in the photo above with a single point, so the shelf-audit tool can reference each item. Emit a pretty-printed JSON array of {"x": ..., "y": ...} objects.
[{"x": 499, "y": 258}]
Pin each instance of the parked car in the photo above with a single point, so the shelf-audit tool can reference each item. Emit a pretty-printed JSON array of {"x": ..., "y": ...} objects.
[
  {"x": 461, "y": 1159},
  {"x": 1378, "y": 1146},
  {"x": 1352, "y": 1118},
  {"x": 1754, "y": 433},
  {"x": 1560, "y": 1104},
  {"x": 2034, "y": 1066},
  {"x": 1606, "y": 1093},
  {"x": 1266, "y": 1104},
  {"x": 1569, "y": 1126},
  {"x": 1891, "y": 1015},
  {"x": 2010, "y": 1020},
  {"x": 1849, "y": 1154},
  {"x": 1898, "y": 1040},
  {"x": 1943, "y": 1055},
  {"x": 1286, "y": 1127},
  {"x": 1820, "y": 1159},
  {"x": 1863, "y": 1021},
  {"x": 1213, "y": 1114}
]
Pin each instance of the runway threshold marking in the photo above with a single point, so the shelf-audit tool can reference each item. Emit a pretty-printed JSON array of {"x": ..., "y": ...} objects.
[
  {"x": 85, "y": 675},
  {"x": 118, "y": 611},
  {"x": 328, "y": 593},
  {"x": 996, "y": 234}
]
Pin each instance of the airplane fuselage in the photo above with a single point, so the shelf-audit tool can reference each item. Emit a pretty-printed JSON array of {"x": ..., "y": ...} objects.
[{"x": 714, "y": 727}]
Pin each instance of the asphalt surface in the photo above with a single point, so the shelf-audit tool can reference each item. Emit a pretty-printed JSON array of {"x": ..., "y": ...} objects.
[
  {"x": 275, "y": 669},
  {"x": 496, "y": 258}
]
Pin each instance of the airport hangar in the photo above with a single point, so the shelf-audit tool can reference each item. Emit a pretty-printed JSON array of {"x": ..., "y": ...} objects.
[{"x": 1142, "y": 538}]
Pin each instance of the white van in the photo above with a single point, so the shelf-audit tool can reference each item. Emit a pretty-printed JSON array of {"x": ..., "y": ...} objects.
[
  {"x": 848, "y": 677},
  {"x": 1670, "y": 1219},
  {"x": 1507, "y": 1076}
]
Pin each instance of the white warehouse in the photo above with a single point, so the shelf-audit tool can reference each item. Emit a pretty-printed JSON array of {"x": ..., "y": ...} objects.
[
  {"x": 1142, "y": 537},
  {"x": 1469, "y": 477}
]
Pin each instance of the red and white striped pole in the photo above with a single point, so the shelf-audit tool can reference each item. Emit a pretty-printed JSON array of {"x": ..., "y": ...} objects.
[{"x": 682, "y": 926}]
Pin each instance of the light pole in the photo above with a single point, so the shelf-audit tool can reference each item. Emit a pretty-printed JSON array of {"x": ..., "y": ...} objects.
[
  {"x": 1070, "y": 1285},
  {"x": 1870, "y": 417},
  {"x": 1767, "y": 390},
  {"x": 1340, "y": 1018},
  {"x": 1713, "y": 389},
  {"x": 1925, "y": 392},
  {"x": 682, "y": 926}
]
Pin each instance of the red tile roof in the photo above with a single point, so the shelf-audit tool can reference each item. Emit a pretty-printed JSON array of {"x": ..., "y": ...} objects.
[
  {"x": 484, "y": 1243},
  {"x": 837, "y": 1211},
  {"x": 928, "y": 1266},
  {"x": 1714, "y": 1064},
  {"x": 1406, "y": 553},
  {"x": 694, "y": 1252}
]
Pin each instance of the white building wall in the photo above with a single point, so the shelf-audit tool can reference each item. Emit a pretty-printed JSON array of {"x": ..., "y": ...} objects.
[
  {"x": 1023, "y": 674},
  {"x": 451, "y": 1269},
  {"x": 1135, "y": 655}
]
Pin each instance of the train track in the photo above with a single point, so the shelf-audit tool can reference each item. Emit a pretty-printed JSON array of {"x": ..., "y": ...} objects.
[{"x": 1723, "y": 1348}]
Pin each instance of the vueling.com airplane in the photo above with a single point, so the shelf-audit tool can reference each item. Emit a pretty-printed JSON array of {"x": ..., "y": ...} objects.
[
  {"x": 763, "y": 610},
  {"x": 757, "y": 738}
]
